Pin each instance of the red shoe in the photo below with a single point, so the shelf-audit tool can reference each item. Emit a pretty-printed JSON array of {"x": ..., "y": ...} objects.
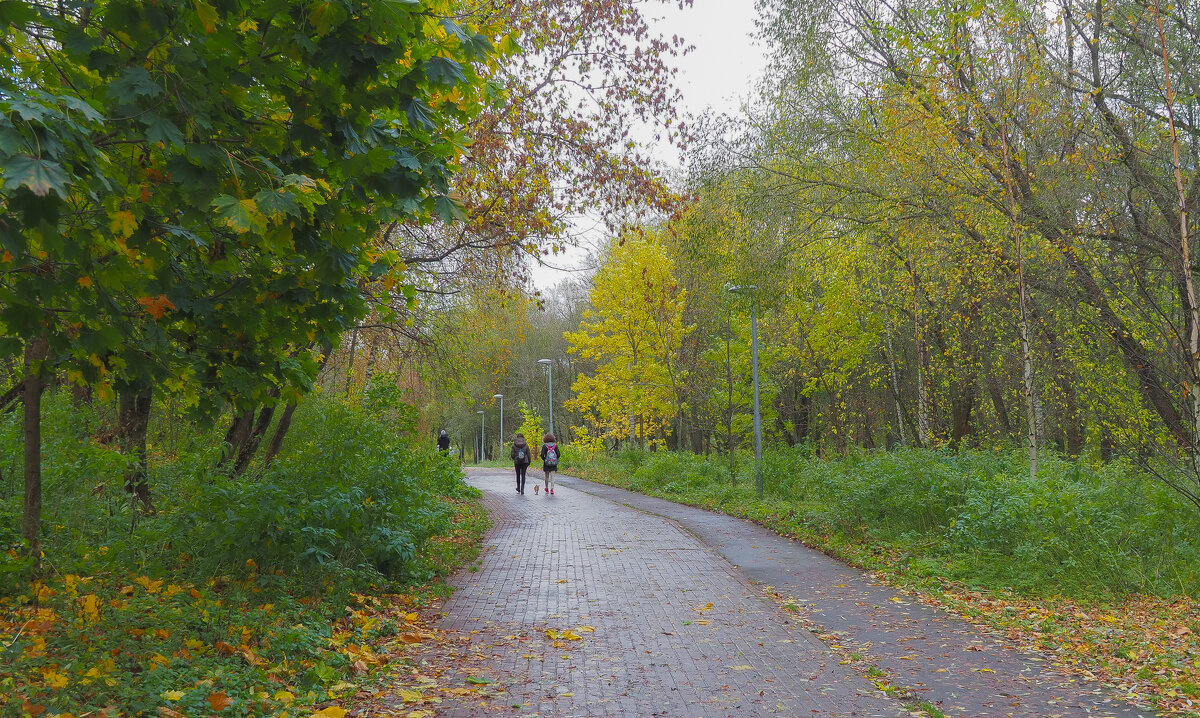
[{"x": 551, "y": 492}]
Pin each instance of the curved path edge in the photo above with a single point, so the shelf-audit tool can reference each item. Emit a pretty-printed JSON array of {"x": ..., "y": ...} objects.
[{"x": 964, "y": 669}]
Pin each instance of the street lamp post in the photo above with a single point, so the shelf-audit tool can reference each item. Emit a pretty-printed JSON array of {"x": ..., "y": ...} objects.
[
  {"x": 752, "y": 290},
  {"x": 502, "y": 434},
  {"x": 482, "y": 446},
  {"x": 550, "y": 368}
]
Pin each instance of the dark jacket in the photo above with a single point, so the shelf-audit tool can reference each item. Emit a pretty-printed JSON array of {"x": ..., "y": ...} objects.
[
  {"x": 520, "y": 444},
  {"x": 545, "y": 449},
  {"x": 443, "y": 442}
]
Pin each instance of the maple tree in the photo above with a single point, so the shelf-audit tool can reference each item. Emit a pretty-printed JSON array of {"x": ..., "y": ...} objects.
[{"x": 190, "y": 189}]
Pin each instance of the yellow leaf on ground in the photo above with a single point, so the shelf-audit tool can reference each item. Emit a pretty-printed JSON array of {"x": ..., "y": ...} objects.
[
  {"x": 410, "y": 696},
  {"x": 330, "y": 712},
  {"x": 54, "y": 679},
  {"x": 703, "y": 621},
  {"x": 571, "y": 635},
  {"x": 284, "y": 697},
  {"x": 587, "y": 629},
  {"x": 151, "y": 586},
  {"x": 90, "y": 604},
  {"x": 411, "y": 617},
  {"x": 742, "y": 668},
  {"x": 173, "y": 695}
]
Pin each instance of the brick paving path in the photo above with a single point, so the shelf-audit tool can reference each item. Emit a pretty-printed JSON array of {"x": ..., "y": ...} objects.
[
  {"x": 642, "y": 571},
  {"x": 965, "y": 670},
  {"x": 678, "y": 630}
]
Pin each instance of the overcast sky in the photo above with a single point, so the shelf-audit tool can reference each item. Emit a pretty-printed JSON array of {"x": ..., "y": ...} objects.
[{"x": 716, "y": 75}]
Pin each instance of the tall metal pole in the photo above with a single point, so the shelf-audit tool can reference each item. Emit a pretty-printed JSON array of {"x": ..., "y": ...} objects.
[
  {"x": 502, "y": 434},
  {"x": 758, "y": 480},
  {"x": 550, "y": 368},
  {"x": 482, "y": 444}
]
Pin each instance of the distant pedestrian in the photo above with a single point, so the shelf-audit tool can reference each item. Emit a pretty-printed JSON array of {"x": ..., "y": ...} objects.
[
  {"x": 522, "y": 457},
  {"x": 550, "y": 456},
  {"x": 443, "y": 441}
]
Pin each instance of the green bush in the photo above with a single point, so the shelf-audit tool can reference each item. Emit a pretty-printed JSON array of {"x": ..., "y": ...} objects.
[{"x": 352, "y": 498}]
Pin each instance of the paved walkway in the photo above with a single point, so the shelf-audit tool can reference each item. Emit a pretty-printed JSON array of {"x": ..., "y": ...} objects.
[{"x": 680, "y": 629}]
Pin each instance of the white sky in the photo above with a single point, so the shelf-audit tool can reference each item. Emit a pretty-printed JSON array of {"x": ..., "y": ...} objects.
[{"x": 717, "y": 74}]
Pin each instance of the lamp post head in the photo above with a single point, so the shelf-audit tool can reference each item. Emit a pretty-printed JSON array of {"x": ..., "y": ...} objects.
[
  {"x": 497, "y": 396},
  {"x": 479, "y": 412},
  {"x": 545, "y": 361}
]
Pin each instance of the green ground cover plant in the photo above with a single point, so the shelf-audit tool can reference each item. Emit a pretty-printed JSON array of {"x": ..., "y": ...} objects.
[{"x": 256, "y": 595}]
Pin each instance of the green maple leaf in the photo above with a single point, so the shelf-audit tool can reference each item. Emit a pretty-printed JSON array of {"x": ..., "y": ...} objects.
[
  {"x": 444, "y": 71},
  {"x": 448, "y": 209},
  {"x": 419, "y": 114},
  {"x": 160, "y": 129},
  {"x": 276, "y": 203},
  {"x": 242, "y": 215},
  {"x": 135, "y": 82},
  {"x": 39, "y": 175}
]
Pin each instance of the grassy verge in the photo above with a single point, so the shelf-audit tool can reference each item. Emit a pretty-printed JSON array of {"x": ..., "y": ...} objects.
[
  {"x": 1093, "y": 565},
  {"x": 289, "y": 591}
]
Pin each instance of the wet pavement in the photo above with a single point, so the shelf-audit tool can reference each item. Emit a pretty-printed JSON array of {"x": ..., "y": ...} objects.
[{"x": 659, "y": 609}]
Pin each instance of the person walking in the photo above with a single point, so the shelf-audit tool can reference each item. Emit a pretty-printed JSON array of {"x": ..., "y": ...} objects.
[
  {"x": 550, "y": 458},
  {"x": 443, "y": 441},
  {"x": 522, "y": 457}
]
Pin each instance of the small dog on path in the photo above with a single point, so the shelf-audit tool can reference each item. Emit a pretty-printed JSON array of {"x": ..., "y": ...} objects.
[{"x": 535, "y": 489}]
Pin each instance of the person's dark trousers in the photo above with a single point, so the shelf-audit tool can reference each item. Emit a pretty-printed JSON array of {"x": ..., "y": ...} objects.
[{"x": 521, "y": 477}]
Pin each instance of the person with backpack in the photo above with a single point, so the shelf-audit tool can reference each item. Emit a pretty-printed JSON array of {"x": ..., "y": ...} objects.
[
  {"x": 522, "y": 457},
  {"x": 550, "y": 458}
]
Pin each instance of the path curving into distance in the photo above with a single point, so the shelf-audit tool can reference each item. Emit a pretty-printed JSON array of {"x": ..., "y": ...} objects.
[{"x": 683, "y": 627}]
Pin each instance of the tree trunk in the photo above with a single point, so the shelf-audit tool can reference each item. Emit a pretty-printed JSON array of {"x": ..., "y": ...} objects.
[
  {"x": 31, "y": 517},
  {"x": 81, "y": 395},
  {"x": 1185, "y": 252},
  {"x": 285, "y": 423},
  {"x": 962, "y": 405},
  {"x": 238, "y": 434},
  {"x": 350, "y": 361},
  {"x": 250, "y": 447},
  {"x": 1032, "y": 408},
  {"x": 924, "y": 437},
  {"x": 133, "y": 418},
  {"x": 997, "y": 396},
  {"x": 893, "y": 374},
  {"x": 12, "y": 397},
  {"x": 285, "y": 419}
]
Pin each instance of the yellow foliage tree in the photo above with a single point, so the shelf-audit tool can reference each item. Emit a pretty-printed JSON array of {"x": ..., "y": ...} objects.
[{"x": 633, "y": 333}]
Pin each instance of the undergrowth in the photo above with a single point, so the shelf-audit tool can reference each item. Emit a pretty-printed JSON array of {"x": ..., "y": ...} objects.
[{"x": 238, "y": 596}]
